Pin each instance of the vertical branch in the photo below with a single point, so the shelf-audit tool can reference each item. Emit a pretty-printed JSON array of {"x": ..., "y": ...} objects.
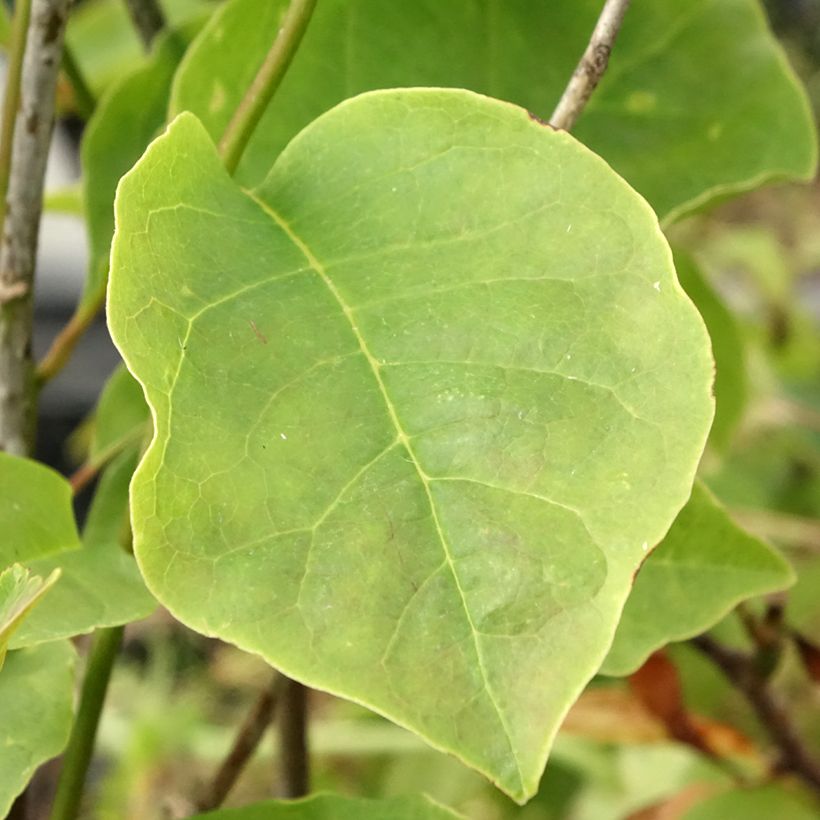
[
  {"x": 24, "y": 202},
  {"x": 148, "y": 19},
  {"x": 293, "y": 743},
  {"x": 11, "y": 100},
  {"x": 84, "y": 732},
  {"x": 593, "y": 64}
]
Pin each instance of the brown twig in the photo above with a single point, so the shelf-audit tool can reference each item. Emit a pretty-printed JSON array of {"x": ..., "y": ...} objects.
[
  {"x": 592, "y": 66},
  {"x": 293, "y": 757},
  {"x": 24, "y": 202},
  {"x": 67, "y": 339},
  {"x": 245, "y": 744},
  {"x": 148, "y": 19},
  {"x": 741, "y": 670}
]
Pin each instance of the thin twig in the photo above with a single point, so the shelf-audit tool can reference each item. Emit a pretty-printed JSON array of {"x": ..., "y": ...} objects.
[
  {"x": 247, "y": 740},
  {"x": 593, "y": 64},
  {"x": 67, "y": 339},
  {"x": 267, "y": 80},
  {"x": 84, "y": 732},
  {"x": 89, "y": 470},
  {"x": 741, "y": 670},
  {"x": 148, "y": 19},
  {"x": 24, "y": 202},
  {"x": 294, "y": 760}
]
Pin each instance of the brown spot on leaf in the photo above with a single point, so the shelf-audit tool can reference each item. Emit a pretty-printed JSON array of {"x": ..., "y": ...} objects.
[
  {"x": 258, "y": 333},
  {"x": 536, "y": 118}
]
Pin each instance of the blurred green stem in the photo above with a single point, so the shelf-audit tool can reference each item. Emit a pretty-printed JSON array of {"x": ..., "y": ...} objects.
[
  {"x": 84, "y": 732},
  {"x": 261, "y": 90}
]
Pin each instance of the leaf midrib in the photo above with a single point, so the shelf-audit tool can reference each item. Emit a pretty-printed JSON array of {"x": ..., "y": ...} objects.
[{"x": 319, "y": 269}]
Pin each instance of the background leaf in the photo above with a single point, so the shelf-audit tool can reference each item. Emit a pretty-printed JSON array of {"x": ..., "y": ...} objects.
[
  {"x": 731, "y": 381},
  {"x": 122, "y": 416},
  {"x": 701, "y": 570},
  {"x": 336, "y": 807},
  {"x": 760, "y": 803},
  {"x": 36, "y": 694},
  {"x": 124, "y": 122},
  {"x": 99, "y": 584},
  {"x": 673, "y": 114},
  {"x": 411, "y": 440},
  {"x": 20, "y": 591}
]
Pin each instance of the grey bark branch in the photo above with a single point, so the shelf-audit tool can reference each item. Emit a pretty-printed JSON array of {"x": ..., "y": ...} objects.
[
  {"x": 24, "y": 203},
  {"x": 148, "y": 19},
  {"x": 593, "y": 64}
]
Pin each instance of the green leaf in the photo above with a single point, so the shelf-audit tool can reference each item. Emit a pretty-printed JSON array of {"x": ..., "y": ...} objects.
[
  {"x": 107, "y": 47},
  {"x": 761, "y": 803},
  {"x": 20, "y": 592},
  {"x": 121, "y": 417},
  {"x": 421, "y": 402},
  {"x": 673, "y": 114},
  {"x": 99, "y": 584},
  {"x": 124, "y": 122},
  {"x": 36, "y": 694},
  {"x": 704, "y": 567},
  {"x": 336, "y": 807},
  {"x": 731, "y": 383}
]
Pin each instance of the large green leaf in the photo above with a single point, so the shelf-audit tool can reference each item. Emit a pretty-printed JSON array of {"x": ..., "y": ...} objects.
[
  {"x": 99, "y": 583},
  {"x": 422, "y": 401},
  {"x": 336, "y": 807},
  {"x": 36, "y": 693},
  {"x": 678, "y": 113},
  {"x": 703, "y": 568}
]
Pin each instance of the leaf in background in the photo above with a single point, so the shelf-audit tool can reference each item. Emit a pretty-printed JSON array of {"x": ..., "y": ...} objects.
[
  {"x": 731, "y": 384},
  {"x": 619, "y": 780},
  {"x": 36, "y": 695},
  {"x": 336, "y": 807},
  {"x": 107, "y": 518},
  {"x": 122, "y": 416},
  {"x": 105, "y": 44},
  {"x": 761, "y": 803},
  {"x": 99, "y": 584},
  {"x": 126, "y": 119},
  {"x": 701, "y": 570},
  {"x": 20, "y": 591},
  {"x": 412, "y": 441},
  {"x": 673, "y": 114}
]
